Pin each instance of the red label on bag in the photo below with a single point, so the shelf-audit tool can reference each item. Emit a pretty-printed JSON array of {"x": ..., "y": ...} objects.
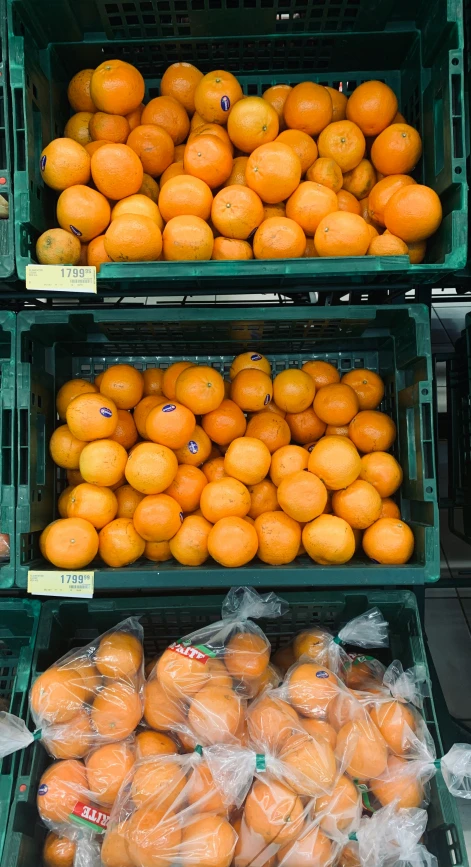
[
  {"x": 198, "y": 652},
  {"x": 91, "y": 816}
]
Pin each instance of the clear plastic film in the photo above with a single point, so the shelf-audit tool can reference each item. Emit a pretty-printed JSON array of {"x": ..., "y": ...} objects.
[
  {"x": 456, "y": 769},
  {"x": 200, "y": 685},
  {"x": 14, "y": 734},
  {"x": 87, "y": 853},
  {"x": 391, "y": 838}
]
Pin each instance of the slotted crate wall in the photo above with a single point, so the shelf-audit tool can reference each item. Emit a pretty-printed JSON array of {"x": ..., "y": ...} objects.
[
  {"x": 7, "y": 223},
  {"x": 416, "y": 48},
  {"x": 394, "y": 341},
  {"x": 7, "y": 438}
]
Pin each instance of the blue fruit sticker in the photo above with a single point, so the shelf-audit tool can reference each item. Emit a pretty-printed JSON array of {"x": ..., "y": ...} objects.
[
  {"x": 43, "y": 789},
  {"x": 42, "y": 162},
  {"x": 267, "y": 399},
  {"x": 169, "y": 407},
  {"x": 255, "y": 357},
  {"x": 193, "y": 447},
  {"x": 322, "y": 673},
  {"x": 106, "y": 412},
  {"x": 225, "y": 103},
  {"x": 181, "y": 516},
  {"x": 75, "y": 231}
]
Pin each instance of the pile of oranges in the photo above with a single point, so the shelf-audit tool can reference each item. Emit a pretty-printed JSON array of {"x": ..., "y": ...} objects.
[
  {"x": 205, "y": 172},
  {"x": 180, "y": 463}
]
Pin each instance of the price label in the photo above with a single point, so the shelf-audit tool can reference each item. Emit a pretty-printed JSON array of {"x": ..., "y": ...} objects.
[
  {"x": 49, "y": 583},
  {"x": 61, "y": 278}
]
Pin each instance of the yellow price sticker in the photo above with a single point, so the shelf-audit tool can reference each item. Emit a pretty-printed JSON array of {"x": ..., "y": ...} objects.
[
  {"x": 58, "y": 583},
  {"x": 61, "y": 278}
]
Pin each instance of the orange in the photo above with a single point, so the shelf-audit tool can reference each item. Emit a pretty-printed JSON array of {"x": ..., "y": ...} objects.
[
  {"x": 246, "y": 655},
  {"x": 65, "y": 448},
  {"x": 335, "y": 461},
  {"x": 340, "y": 430},
  {"x": 185, "y": 195},
  {"x": 125, "y": 431},
  {"x": 58, "y": 247},
  {"x": 196, "y": 450},
  {"x": 320, "y": 730},
  {"x": 389, "y": 508},
  {"x": 279, "y": 238},
  {"x": 122, "y": 384},
  {"x": 151, "y": 468},
  {"x": 388, "y": 541},
  {"x": 302, "y": 144},
  {"x": 190, "y": 544},
  {"x": 229, "y": 248},
  {"x": 58, "y": 790},
  {"x": 277, "y": 96},
  {"x": 107, "y": 768},
  {"x": 225, "y": 423},
  {"x": 58, "y": 694},
  {"x": 114, "y": 850},
  {"x": 78, "y": 91},
  {"x": 271, "y": 722},
  {"x": 116, "y": 87},
  {"x": 237, "y": 175},
  {"x": 273, "y": 171},
  {"x": 372, "y": 431},
  {"x": 149, "y": 188},
  {"x": 413, "y": 213},
  {"x": 417, "y": 250},
  {"x": 203, "y": 791},
  {"x": 138, "y": 204},
  {"x": 396, "y": 150},
  {"x": 215, "y": 96},
  {"x": 373, "y": 106},
  {"x": 247, "y": 459},
  {"x": 179, "y": 675},
  {"x": 200, "y": 388},
  {"x": 63, "y": 501},
  {"x": 58, "y": 851},
  {"x": 262, "y": 498},
  {"x": 120, "y": 544},
  {"x": 273, "y": 811},
  {"x": 116, "y": 711},
  {"x": 71, "y": 543},
  {"x": 367, "y": 385},
  {"x": 82, "y": 211},
  {"x": 347, "y": 202},
  {"x": 232, "y": 542},
  {"x": 398, "y": 783},
  {"x": 64, "y": 163},
  {"x": 180, "y": 80},
  {"x": 342, "y": 234},
  {"x": 276, "y": 210},
  {"x": 171, "y": 375},
  {"x": 143, "y": 409},
  {"x": 168, "y": 114},
  {"x": 309, "y": 203},
  {"x": 364, "y": 212},
  {"x": 273, "y": 408},
  {"x": 382, "y": 192},
  {"x": 215, "y": 713},
  {"x": 210, "y": 129},
  {"x": 321, "y": 372},
  {"x": 308, "y": 108},
  {"x": 93, "y": 146},
  {"x": 310, "y": 252},
  {"x": 93, "y": 503},
  {"x": 157, "y": 518},
  {"x": 372, "y": 230},
  {"x": 344, "y": 142},
  {"x": 153, "y": 380},
  {"x": 339, "y": 104},
  {"x": 117, "y": 171},
  {"x": 208, "y": 840},
  {"x": 382, "y": 471},
  {"x": 134, "y": 117},
  {"x": 360, "y": 180},
  {"x": 208, "y": 158},
  {"x": 161, "y": 711},
  {"x": 170, "y": 424},
  {"x": 305, "y": 426},
  {"x": 302, "y": 496},
  {"x": 360, "y": 742},
  {"x": 158, "y": 552},
  {"x": 187, "y": 487},
  {"x": 152, "y": 834},
  {"x": 119, "y": 655},
  {"x": 214, "y": 469},
  {"x": 154, "y": 147},
  {"x": 133, "y": 238},
  {"x": 271, "y": 429},
  {"x": 329, "y": 540},
  {"x": 196, "y": 121},
  {"x": 102, "y": 462},
  {"x": 387, "y": 245},
  {"x": 286, "y": 461},
  {"x": 157, "y": 781},
  {"x": 396, "y": 722},
  {"x": 225, "y": 498},
  {"x": 251, "y": 123},
  {"x": 327, "y": 172},
  {"x": 108, "y": 127},
  {"x": 187, "y": 238},
  {"x": 96, "y": 253},
  {"x": 312, "y": 847},
  {"x": 336, "y": 404},
  {"x": 252, "y": 360},
  {"x": 279, "y": 537},
  {"x": 236, "y": 211},
  {"x": 359, "y": 504},
  {"x": 153, "y": 744},
  {"x": 342, "y": 807},
  {"x": 77, "y": 127},
  {"x": 310, "y": 765}
]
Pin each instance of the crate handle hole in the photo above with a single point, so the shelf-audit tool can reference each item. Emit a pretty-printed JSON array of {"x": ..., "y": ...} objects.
[
  {"x": 458, "y": 170},
  {"x": 455, "y": 61},
  {"x": 429, "y": 489}
]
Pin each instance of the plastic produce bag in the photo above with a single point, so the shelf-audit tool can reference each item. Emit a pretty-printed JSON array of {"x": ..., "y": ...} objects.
[
  {"x": 200, "y": 685},
  {"x": 175, "y": 809},
  {"x": 391, "y": 838}
]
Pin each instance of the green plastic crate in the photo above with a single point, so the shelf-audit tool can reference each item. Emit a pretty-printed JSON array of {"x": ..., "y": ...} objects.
[
  {"x": 65, "y": 625},
  {"x": 458, "y": 380},
  {"x": 7, "y": 251},
  {"x": 7, "y": 433},
  {"x": 19, "y": 619},
  {"x": 395, "y": 341},
  {"x": 416, "y": 47}
]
